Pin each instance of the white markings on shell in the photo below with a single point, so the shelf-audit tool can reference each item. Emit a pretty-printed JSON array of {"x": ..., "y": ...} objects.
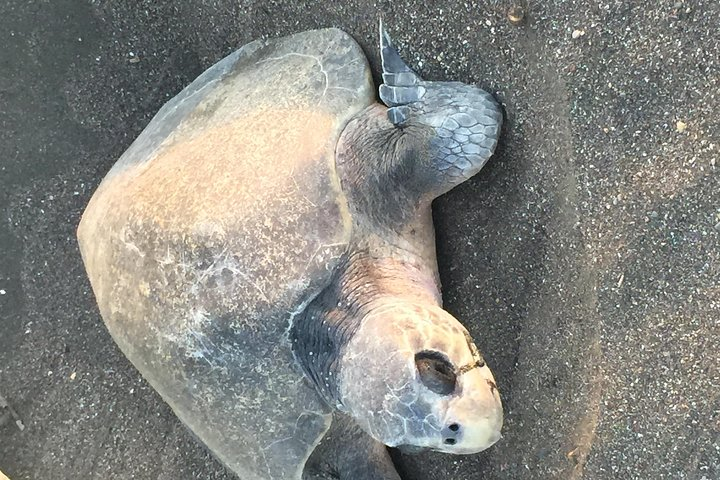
[{"x": 322, "y": 70}]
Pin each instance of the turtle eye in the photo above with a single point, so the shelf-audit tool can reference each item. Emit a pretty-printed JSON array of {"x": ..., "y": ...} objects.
[{"x": 436, "y": 372}]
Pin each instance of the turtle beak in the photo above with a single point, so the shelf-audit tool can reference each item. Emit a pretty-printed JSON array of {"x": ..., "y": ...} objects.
[{"x": 474, "y": 419}]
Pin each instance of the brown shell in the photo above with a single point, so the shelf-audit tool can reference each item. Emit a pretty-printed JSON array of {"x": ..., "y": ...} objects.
[{"x": 222, "y": 220}]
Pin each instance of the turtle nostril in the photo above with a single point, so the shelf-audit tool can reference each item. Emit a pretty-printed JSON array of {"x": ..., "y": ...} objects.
[
  {"x": 454, "y": 427},
  {"x": 450, "y": 441}
]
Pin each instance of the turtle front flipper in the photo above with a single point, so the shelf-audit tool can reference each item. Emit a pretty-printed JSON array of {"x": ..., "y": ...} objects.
[
  {"x": 348, "y": 453},
  {"x": 464, "y": 121}
]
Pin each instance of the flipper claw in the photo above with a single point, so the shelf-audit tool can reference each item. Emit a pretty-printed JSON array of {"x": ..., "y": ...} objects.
[
  {"x": 398, "y": 115},
  {"x": 393, "y": 96},
  {"x": 401, "y": 85}
]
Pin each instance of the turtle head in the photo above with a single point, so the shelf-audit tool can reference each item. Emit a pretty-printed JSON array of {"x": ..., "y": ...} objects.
[
  {"x": 412, "y": 377},
  {"x": 459, "y": 123}
]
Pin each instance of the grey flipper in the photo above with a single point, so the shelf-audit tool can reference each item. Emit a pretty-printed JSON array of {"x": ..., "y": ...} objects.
[
  {"x": 218, "y": 224},
  {"x": 465, "y": 121},
  {"x": 401, "y": 85},
  {"x": 348, "y": 453}
]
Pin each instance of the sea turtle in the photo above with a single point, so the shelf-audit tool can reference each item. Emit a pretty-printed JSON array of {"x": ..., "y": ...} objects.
[{"x": 264, "y": 254}]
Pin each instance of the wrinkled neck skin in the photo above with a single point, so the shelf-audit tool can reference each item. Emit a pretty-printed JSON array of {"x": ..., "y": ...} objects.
[
  {"x": 387, "y": 175},
  {"x": 391, "y": 258}
]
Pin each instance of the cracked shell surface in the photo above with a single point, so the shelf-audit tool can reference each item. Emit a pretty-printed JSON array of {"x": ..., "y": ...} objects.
[{"x": 222, "y": 220}]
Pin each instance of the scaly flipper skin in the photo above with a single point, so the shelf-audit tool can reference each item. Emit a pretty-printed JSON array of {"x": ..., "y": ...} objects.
[{"x": 464, "y": 119}]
